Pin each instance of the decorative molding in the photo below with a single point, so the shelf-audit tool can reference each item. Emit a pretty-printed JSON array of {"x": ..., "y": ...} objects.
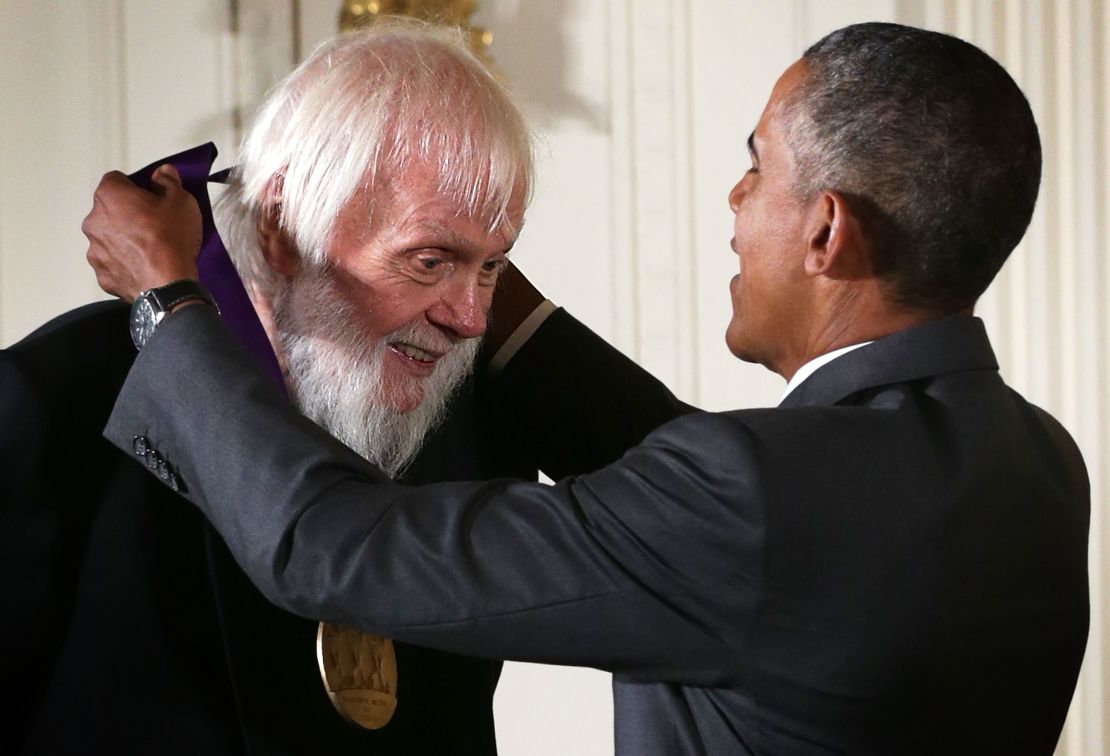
[
  {"x": 651, "y": 174},
  {"x": 623, "y": 202}
]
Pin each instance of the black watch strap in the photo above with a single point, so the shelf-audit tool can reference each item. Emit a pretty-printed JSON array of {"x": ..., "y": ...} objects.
[
  {"x": 151, "y": 307},
  {"x": 186, "y": 290}
]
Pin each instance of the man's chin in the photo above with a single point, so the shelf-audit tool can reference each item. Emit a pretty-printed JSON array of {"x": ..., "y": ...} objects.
[
  {"x": 734, "y": 338},
  {"x": 742, "y": 346},
  {"x": 403, "y": 396}
]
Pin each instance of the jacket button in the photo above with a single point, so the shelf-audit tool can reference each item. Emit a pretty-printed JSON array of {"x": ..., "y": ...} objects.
[
  {"x": 152, "y": 459},
  {"x": 173, "y": 482},
  {"x": 139, "y": 445},
  {"x": 163, "y": 470}
]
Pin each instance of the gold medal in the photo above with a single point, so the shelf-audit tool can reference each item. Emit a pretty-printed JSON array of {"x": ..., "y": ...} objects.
[{"x": 360, "y": 674}]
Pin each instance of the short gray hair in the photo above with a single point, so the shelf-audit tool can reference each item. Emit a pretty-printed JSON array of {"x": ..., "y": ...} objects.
[
  {"x": 932, "y": 142},
  {"x": 359, "y": 110}
]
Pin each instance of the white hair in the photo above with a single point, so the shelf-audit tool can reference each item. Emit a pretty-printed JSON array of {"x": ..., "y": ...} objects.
[{"x": 359, "y": 110}]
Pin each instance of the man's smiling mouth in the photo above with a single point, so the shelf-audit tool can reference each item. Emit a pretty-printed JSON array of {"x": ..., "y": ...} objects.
[{"x": 414, "y": 352}]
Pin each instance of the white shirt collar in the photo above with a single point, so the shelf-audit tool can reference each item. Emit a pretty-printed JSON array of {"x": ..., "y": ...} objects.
[{"x": 808, "y": 369}]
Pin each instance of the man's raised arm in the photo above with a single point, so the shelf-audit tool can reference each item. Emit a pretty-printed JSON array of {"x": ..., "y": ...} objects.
[{"x": 503, "y": 569}]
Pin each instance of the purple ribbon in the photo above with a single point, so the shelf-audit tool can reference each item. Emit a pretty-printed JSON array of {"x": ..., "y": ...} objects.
[{"x": 216, "y": 270}]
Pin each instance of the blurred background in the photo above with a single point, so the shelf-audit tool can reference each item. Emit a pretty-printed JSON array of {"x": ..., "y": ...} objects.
[{"x": 642, "y": 109}]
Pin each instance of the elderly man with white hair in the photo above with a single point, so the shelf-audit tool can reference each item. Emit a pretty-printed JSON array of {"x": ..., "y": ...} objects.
[{"x": 378, "y": 193}]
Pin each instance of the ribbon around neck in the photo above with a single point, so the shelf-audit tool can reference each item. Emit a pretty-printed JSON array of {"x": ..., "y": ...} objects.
[{"x": 217, "y": 273}]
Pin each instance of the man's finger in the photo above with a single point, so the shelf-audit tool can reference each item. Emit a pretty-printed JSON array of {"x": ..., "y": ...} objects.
[
  {"x": 113, "y": 180},
  {"x": 116, "y": 189},
  {"x": 104, "y": 278},
  {"x": 165, "y": 180}
]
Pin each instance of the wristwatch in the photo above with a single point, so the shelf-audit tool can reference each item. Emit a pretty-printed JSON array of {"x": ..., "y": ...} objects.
[{"x": 151, "y": 307}]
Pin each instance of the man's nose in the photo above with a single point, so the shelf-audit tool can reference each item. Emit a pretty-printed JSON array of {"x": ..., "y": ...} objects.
[
  {"x": 735, "y": 196},
  {"x": 462, "y": 309}
]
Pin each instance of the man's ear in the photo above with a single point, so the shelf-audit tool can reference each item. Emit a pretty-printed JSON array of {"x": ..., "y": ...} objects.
[
  {"x": 834, "y": 241},
  {"x": 276, "y": 244}
]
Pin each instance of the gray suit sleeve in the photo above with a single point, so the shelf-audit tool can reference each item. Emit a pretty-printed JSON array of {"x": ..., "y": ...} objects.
[{"x": 621, "y": 569}]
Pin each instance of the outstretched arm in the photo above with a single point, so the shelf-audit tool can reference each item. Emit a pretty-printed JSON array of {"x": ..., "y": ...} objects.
[
  {"x": 572, "y": 402},
  {"x": 612, "y": 569},
  {"x": 609, "y": 569},
  {"x": 576, "y": 402}
]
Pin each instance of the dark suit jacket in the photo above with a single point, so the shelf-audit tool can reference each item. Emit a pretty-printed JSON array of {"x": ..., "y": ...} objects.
[
  {"x": 127, "y": 626},
  {"x": 893, "y": 562}
]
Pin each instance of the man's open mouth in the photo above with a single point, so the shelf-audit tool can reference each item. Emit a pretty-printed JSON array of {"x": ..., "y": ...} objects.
[{"x": 414, "y": 352}]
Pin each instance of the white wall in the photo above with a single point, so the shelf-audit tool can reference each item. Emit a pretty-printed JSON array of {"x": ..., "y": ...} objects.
[{"x": 643, "y": 107}]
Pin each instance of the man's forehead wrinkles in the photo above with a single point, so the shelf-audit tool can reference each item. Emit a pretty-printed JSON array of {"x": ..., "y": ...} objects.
[{"x": 434, "y": 227}]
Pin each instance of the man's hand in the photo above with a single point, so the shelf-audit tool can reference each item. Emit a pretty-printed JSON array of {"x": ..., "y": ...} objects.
[
  {"x": 514, "y": 299},
  {"x": 141, "y": 239}
]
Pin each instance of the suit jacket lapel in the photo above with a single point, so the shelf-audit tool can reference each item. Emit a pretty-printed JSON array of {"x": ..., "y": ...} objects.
[{"x": 939, "y": 346}]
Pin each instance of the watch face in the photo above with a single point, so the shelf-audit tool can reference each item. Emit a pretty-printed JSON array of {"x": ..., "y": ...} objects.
[{"x": 143, "y": 320}]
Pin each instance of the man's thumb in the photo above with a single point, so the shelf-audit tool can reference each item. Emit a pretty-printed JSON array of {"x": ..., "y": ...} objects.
[{"x": 165, "y": 179}]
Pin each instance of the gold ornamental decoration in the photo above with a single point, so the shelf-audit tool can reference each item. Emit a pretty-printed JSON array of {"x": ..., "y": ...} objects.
[
  {"x": 360, "y": 674},
  {"x": 359, "y": 13}
]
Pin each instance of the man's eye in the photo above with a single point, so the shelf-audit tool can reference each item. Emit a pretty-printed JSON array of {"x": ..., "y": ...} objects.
[
  {"x": 428, "y": 266},
  {"x": 491, "y": 270}
]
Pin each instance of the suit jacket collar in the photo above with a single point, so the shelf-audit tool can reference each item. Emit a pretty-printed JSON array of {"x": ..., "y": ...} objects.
[{"x": 939, "y": 346}]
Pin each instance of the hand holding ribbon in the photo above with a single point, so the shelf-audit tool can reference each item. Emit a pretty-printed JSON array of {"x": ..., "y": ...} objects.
[
  {"x": 141, "y": 239},
  {"x": 146, "y": 229}
]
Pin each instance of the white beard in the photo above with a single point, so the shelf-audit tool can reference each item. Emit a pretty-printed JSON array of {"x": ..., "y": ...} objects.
[{"x": 337, "y": 378}]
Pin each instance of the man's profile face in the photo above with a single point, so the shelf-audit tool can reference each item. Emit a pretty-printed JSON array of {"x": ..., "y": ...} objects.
[{"x": 768, "y": 237}]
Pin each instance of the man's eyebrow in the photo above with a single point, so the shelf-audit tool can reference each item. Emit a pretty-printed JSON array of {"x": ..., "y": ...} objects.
[
  {"x": 444, "y": 235},
  {"x": 751, "y": 146},
  {"x": 434, "y": 229}
]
